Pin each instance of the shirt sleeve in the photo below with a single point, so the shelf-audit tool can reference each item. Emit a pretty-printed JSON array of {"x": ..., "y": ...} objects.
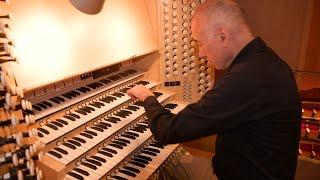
[{"x": 222, "y": 108}]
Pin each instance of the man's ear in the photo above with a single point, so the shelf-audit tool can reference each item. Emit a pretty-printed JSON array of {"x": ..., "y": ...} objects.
[{"x": 223, "y": 36}]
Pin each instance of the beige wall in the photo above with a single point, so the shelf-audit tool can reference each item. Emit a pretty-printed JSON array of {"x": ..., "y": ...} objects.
[{"x": 281, "y": 23}]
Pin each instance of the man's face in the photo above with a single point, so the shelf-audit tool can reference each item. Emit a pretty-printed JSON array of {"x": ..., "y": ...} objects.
[{"x": 210, "y": 46}]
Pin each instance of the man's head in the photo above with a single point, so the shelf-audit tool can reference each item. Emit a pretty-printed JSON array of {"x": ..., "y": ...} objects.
[{"x": 221, "y": 31}]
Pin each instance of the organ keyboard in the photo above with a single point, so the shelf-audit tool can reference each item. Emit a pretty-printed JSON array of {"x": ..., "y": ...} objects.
[{"x": 87, "y": 130}]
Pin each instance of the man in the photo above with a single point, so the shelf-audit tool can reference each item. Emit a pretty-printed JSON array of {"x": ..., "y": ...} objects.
[{"x": 254, "y": 108}]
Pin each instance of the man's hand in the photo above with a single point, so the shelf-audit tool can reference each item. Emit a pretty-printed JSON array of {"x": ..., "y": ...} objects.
[{"x": 139, "y": 92}]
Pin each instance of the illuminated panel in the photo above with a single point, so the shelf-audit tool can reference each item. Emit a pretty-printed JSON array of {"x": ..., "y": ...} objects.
[{"x": 54, "y": 40}]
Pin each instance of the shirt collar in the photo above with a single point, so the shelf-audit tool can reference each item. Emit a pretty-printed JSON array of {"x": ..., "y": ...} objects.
[{"x": 256, "y": 43}]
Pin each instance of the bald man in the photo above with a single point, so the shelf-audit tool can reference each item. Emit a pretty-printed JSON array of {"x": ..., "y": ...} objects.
[{"x": 254, "y": 108}]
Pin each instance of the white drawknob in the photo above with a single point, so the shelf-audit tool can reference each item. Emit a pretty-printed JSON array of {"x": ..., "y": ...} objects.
[
  {"x": 185, "y": 54},
  {"x": 174, "y": 28},
  {"x": 185, "y": 32},
  {"x": 185, "y": 24},
  {"x": 174, "y": 13},
  {"x": 193, "y": 64},
  {"x": 193, "y": 58},
  {"x": 174, "y": 21},
  {"x": 202, "y": 60},
  {"x": 167, "y": 54},
  {"x": 174, "y": 5},
  {"x": 185, "y": 39},
  {"x": 175, "y": 50},
  {"x": 184, "y": 9},
  {"x": 201, "y": 68},
  {"x": 193, "y": 5},
  {"x": 176, "y": 65},
  {"x": 176, "y": 72},
  {"x": 175, "y": 57},
  {"x": 175, "y": 43},
  {"x": 175, "y": 36},
  {"x": 185, "y": 46},
  {"x": 168, "y": 62},
  {"x": 192, "y": 70},
  {"x": 185, "y": 17},
  {"x": 185, "y": 60},
  {"x": 202, "y": 74}
]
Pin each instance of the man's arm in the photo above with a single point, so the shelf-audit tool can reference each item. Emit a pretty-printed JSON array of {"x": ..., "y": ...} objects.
[{"x": 224, "y": 107}]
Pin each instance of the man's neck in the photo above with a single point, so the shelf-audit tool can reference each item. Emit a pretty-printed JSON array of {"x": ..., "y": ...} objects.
[{"x": 238, "y": 45}]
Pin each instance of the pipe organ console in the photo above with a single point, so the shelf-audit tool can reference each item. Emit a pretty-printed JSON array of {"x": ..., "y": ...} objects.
[{"x": 74, "y": 79}]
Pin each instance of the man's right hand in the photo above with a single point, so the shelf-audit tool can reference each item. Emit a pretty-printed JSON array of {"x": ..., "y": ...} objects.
[{"x": 139, "y": 92}]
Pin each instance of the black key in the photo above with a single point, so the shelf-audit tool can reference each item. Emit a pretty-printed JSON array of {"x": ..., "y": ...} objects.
[
  {"x": 69, "y": 117},
  {"x": 74, "y": 115},
  {"x": 42, "y": 105},
  {"x": 137, "y": 164},
  {"x": 127, "y": 172},
  {"x": 56, "y": 123},
  {"x": 133, "y": 108},
  {"x": 102, "y": 126},
  {"x": 105, "y": 81},
  {"x": 105, "y": 124},
  {"x": 156, "y": 145},
  {"x": 47, "y": 103},
  {"x": 99, "y": 159},
  {"x": 81, "y": 171},
  {"x": 132, "y": 169},
  {"x": 117, "y": 94},
  {"x": 143, "y": 157},
  {"x": 110, "y": 150},
  {"x": 43, "y": 130},
  {"x": 97, "y": 163},
  {"x": 149, "y": 153},
  {"x": 36, "y": 107},
  {"x": 152, "y": 150},
  {"x": 95, "y": 105},
  {"x": 86, "y": 135},
  {"x": 89, "y": 165},
  {"x": 74, "y": 142},
  {"x": 69, "y": 145},
  {"x": 85, "y": 109},
  {"x": 97, "y": 128},
  {"x": 100, "y": 103},
  {"x": 157, "y": 94},
  {"x": 75, "y": 175},
  {"x": 54, "y": 100},
  {"x": 139, "y": 103},
  {"x": 128, "y": 136},
  {"x": 123, "y": 140},
  {"x": 61, "y": 150},
  {"x": 51, "y": 126},
  {"x": 59, "y": 98},
  {"x": 140, "y": 160},
  {"x": 80, "y": 111},
  {"x": 132, "y": 134},
  {"x": 116, "y": 145},
  {"x": 131, "y": 71},
  {"x": 115, "y": 118},
  {"x": 67, "y": 95},
  {"x": 119, "y": 143},
  {"x": 75, "y": 92},
  {"x": 123, "y": 74},
  {"x": 79, "y": 139},
  {"x": 105, "y": 153},
  {"x": 55, "y": 154},
  {"x": 91, "y": 133},
  {"x": 62, "y": 121},
  {"x": 90, "y": 108},
  {"x": 119, "y": 177},
  {"x": 40, "y": 135}
]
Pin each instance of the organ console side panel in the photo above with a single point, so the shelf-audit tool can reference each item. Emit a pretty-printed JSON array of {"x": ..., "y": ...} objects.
[{"x": 54, "y": 40}]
